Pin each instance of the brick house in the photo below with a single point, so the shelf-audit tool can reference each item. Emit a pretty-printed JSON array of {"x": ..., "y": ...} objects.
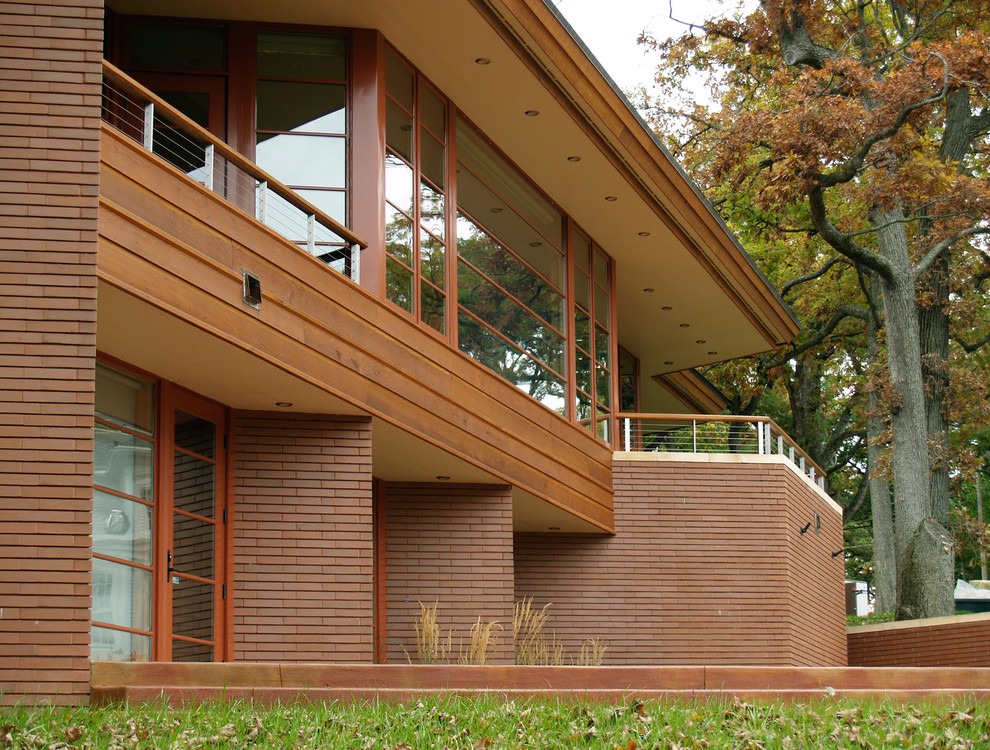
[{"x": 371, "y": 304}]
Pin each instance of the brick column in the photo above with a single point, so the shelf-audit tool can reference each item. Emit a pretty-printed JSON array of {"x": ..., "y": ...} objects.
[
  {"x": 303, "y": 562},
  {"x": 49, "y": 182}
]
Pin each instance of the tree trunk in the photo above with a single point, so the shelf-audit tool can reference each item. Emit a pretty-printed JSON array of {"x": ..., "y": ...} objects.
[
  {"x": 884, "y": 554},
  {"x": 924, "y": 582},
  {"x": 934, "y": 330}
]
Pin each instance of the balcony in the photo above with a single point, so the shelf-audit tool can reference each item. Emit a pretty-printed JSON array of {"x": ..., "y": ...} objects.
[{"x": 696, "y": 434}]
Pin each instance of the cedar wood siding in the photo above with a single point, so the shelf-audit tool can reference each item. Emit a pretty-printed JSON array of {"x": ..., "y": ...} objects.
[{"x": 49, "y": 179}]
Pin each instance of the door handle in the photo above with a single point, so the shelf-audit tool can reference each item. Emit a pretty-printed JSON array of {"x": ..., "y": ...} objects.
[{"x": 171, "y": 570}]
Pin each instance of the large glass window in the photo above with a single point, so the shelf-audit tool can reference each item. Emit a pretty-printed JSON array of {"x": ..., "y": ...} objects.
[
  {"x": 301, "y": 120},
  {"x": 123, "y": 512},
  {"x": 593, "y": 336},
  {"x": 416, "y": 195},
  {"x": 510, "y": 273}
]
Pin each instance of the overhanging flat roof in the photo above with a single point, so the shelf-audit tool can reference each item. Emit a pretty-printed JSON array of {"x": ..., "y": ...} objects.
[{"x": 659, "y": 228}]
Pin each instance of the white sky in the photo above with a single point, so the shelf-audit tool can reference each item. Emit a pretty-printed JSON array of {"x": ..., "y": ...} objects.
[{"x": 609, "y": 29}]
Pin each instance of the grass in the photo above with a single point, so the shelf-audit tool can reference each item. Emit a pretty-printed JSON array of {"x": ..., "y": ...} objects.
[{"x": 490, "y": 723}]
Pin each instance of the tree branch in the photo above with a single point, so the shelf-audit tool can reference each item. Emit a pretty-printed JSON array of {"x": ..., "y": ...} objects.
[
  {"x": 841, "y": 242},
  {"x": 813, "y": 275}
]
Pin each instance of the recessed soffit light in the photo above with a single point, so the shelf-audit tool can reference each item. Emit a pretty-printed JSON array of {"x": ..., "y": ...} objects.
[
  {"x": 574, "y": 158},
  {"x": 611, "y": 198},
  {"x": 649, "y": 290},
  {"x": 483, "y": 60},
  {"x": 532, "y": 112}
]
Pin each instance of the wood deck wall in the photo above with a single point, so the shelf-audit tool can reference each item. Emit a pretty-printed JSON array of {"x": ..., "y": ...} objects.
[
  {"x": 49, "y": 177},
  {"x": 182, "y": 249}
]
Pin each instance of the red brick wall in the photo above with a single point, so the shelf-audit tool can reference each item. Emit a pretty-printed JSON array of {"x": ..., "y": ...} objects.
[
  {"x": 451, "y": 545},
  {"x": 49, "y": 169},
  {"x": 303, "y": 538},
  {"x": 962, "y": 641},
  {"x": 708, "y": 566}
]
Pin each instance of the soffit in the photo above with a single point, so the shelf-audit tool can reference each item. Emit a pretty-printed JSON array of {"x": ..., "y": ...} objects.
[{"x": 713, "y": 294}]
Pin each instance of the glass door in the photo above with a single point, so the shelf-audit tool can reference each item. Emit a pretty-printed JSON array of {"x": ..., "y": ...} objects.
[{"x": 194, "y": 560}]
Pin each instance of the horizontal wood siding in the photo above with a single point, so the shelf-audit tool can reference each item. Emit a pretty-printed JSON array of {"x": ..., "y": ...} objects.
[
  {"x": 49, "y": 178},
  {"x": 707, "y": 567},
  {"x": 451, "y": 545},
  {"x": 181, "y": 248},
  {"x": 302, "y": 538},
  {"x": 945, "y": 642}
]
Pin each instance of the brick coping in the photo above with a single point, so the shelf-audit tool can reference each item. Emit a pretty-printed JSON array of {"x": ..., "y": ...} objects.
[
  {"x": 727, "y": 458},
  {"x": 928, "y": 622},
  {"x": 270, "y": 682}
]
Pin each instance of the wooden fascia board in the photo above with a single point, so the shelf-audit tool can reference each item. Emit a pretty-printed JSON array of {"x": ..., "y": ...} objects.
[{"x": 693, "y": 390}]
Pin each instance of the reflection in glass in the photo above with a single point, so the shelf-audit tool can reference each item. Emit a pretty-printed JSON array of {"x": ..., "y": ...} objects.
[
  {"x": 398, "y": 130},
  {"x": 500, "y": 220},
  {"x": 489, "y": 257},
  {"x": 121, "y": 595},
  {"x": 399, "y": 183},
  {"x": 291, "y": 106},
  {"x": 432, "y": 256},
  {"x": 515, "y": 322},
  {"x": 601, "y": 306},
  {"x": 602, "y": 348},
  {"x": 399, "y": 284},
  {"x": 582, "y": 290},
  {"x": 122, "y": 528},
  {"x": 123, "y": 462},
  {"x": 603, "y": 382},
  {"x": 192, "y": 609},
  {"x": 124, "y": 399},
  {"x": 330, "y": 202},
  {"x": 398, "y": 234},
  {"x": 481, "y": 343},
  {"x": 119, "y": 645},
  {"x": 432, "y": 215},
  {"x": 434, "y": 306},
  {"x": 195, "y": 434},
  {"x": 194, "y": 484},
  {"x": 487, "y": 164},
  {"x": 432, "y": 112},
  {"x": 431, "y": 159},
  {"x": 193, "y": 546},
  {"x": 398, "y": 81},
  {"x": 163, "y": 45},
  {"x": 187, "y": 651},
  {"x": 293, "y": 55},
  {"x": 309, "y": 160}
]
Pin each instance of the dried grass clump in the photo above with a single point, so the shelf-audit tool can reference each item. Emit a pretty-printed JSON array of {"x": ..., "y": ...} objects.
[
  {"x": 532, "y": 645},
  {"x": 430, "y": 646},
  {"x": 592, "y": 652},
  {"x": 483, "y": 637}
]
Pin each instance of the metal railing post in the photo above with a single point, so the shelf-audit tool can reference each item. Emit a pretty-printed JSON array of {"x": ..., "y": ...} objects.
[
  {"x": 311, "y": 233},
  {"x": 148, "y": 138},
  {"x": 627, "y": 430},
  {"x": 759, "y": 438},
  {"x": 208, "y": 158},
  {"x": 356, "y": 263},
  {"x": 694, "y": 435},
  {"x": 261, "y": 190}
]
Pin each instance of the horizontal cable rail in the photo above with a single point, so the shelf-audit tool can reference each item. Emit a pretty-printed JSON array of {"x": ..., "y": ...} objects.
[
  {"x": 133, "y": 110},
  {"x": 711, "y": 433}
]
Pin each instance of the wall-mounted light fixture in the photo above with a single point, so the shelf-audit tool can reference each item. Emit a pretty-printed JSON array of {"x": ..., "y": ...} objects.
[
  {"x": 805, "y": 528},
  {"x": 836, "y": 554}
]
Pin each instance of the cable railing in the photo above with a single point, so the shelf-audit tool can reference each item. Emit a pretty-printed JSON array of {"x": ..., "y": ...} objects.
[
  {"x": 146, "y": 118},
  {"x": 709, "y": 433}
]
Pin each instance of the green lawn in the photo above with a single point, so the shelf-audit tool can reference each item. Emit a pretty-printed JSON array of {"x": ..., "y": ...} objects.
[{"x": 492, "y": 724}]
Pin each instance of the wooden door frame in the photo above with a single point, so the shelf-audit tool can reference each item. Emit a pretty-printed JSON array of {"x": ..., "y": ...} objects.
[{"x": 172, "y": 397}]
